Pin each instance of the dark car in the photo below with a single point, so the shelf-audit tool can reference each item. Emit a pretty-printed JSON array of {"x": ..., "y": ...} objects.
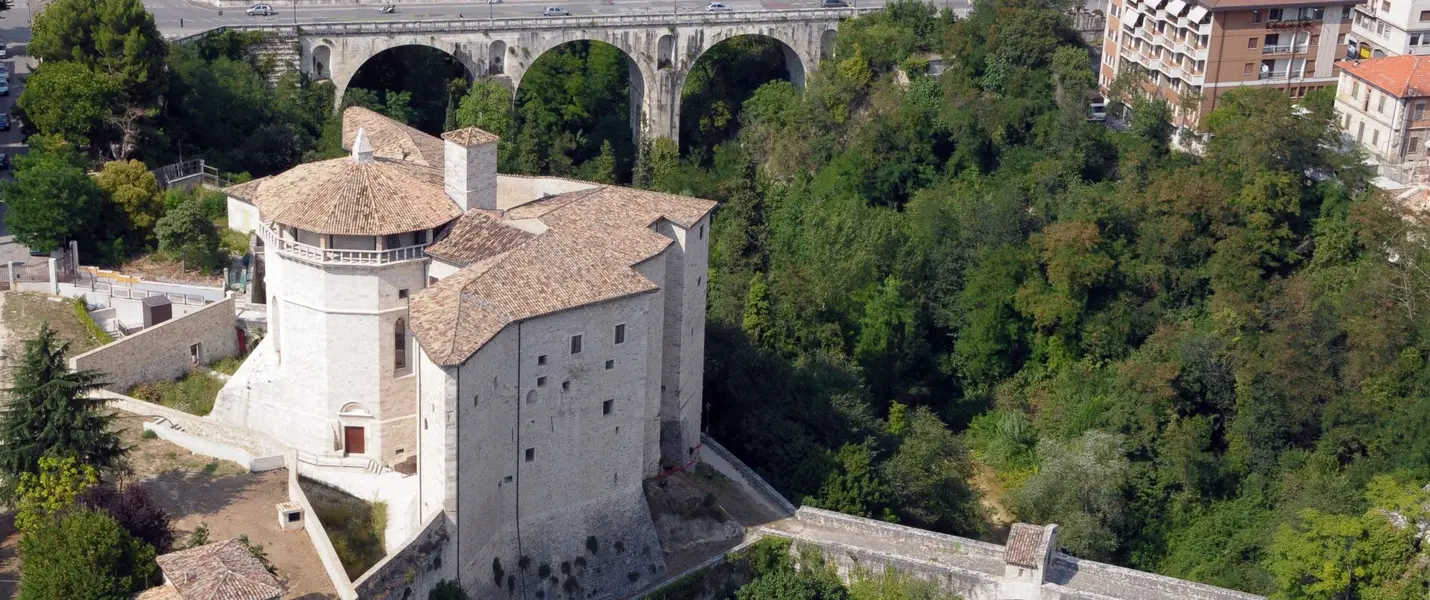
[
  {"x": 4, "y": 162},
  {"x": 4, "y": 122},
  {"x": 833, "y": 3}
]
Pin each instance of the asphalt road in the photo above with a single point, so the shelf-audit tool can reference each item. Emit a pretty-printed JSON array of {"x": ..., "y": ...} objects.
[{"x": 178, "y": 17}]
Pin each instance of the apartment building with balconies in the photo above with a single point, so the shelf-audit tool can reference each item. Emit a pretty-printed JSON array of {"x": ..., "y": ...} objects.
[
  {"x": 1206, "y": 48},
  {"x": 1390, "y": 28},
  {"x": 1382, "y": 104}
]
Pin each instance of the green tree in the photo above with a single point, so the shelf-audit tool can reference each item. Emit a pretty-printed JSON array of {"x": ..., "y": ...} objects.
[
  {"x": 117, "y": 38},
  {"x": 134, "y": 189},
  {"x": 893, "y": 585},
  {"x": 928, "y": 478},
  {"x": 84, "y": 555},
  {"x": 186, "y": 233},
  {"x": 56, "y": 488},
  {"x": 72, "y": 101},
  {"x": 487, "y": 105},
  {"x": 49, "y": 412},
  {"x": 52, "y": 200},
  {"x": 602, "y": 168},
  {"x": 1079, "y": 486}
]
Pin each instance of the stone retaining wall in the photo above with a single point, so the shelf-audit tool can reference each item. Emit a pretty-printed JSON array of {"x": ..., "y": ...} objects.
[
  {"x": 162, "y": 351},
  {"x": 319, "y": 536},
  {"x": 737, "y": 471},
  {"x": 423, "y": 562}
]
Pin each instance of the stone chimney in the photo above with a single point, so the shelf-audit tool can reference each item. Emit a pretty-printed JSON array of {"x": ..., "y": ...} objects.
[
  {"x": 470, "y": 168},
  {"x": 362, "y": 147}
]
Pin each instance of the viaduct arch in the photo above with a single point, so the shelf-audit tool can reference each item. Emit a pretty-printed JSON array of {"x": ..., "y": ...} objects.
[{"x": 660, "y": 49}]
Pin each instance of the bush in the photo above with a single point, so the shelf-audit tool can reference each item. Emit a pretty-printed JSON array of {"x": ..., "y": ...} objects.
[
  {"x": 81, "y": 312},
  {"x": 135, "y": 510},
  {"x": 447, "y": 589},
  {"x": 354, "y": 527},
  {"x": 85, "y": 554},
  {"x": 194, "y": 393}
]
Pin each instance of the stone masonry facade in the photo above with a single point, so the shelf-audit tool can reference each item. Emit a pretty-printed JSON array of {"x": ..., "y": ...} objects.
[{"x": 165, "y": 351}]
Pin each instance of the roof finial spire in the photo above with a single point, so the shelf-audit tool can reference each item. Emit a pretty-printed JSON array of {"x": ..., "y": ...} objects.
[{"x": 362, "y": 148}]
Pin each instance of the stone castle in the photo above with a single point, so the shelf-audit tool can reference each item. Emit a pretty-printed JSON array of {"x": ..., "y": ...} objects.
[{"x": 531, "y": 348}]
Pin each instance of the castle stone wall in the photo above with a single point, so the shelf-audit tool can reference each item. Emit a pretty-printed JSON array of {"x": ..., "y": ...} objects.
[{"x": 162, "y": 351}]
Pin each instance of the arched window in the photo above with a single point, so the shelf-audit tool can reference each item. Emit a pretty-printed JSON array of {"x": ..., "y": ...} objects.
[{"x": 399, "y": 344}]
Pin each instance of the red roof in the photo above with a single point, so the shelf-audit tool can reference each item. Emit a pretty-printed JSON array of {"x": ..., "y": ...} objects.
[{"x": 1400, "y": 76}]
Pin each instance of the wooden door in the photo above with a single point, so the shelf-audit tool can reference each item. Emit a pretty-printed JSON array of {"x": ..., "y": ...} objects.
[{"x": 354, "y": 441}]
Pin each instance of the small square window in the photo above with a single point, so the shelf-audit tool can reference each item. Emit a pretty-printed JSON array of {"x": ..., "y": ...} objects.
[
  {"x": 575, "y": 344},
  {"x": 541, "y": 360},
  {"x": 1251, "y": 43},
  {"x": 566, "y": 386},
  {"x": 401, "y": 294},
  {"x": 1425, "y": 15},
  {"x": 610, "y": 364},
  {"x": 621, "y": 334},
  {"x": 540, "y": 382},
  {"x": 607, "y": 406},
  {"x": 530, "y": 454}
]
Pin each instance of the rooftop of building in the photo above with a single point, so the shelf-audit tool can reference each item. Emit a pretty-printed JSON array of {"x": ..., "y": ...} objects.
[
  {"x": 1400, "y": 76},
  {"x": 551, "y": 244},
  {"x": 219, "y": 571},
  {"x": 361, "y": 194}
]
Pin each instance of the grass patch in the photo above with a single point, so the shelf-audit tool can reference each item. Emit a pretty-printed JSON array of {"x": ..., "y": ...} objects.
[
  {"x": 81, "y": 312},
  {"x": 354, "y": 527},
  {"x": 193, "y": 393},
  {"x": 228, "y": 365},
  {"x": 25, "y": 311}
]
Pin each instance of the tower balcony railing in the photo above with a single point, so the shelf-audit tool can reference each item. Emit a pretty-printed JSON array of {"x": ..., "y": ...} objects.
[{"x": 272, "y": 239}]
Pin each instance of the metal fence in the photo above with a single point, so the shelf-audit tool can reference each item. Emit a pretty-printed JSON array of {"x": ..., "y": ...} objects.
[{"x": 189, "y": 174}]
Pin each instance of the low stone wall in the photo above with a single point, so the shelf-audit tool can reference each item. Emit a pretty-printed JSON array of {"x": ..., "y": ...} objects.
[
  {"x": 318, "y": 535},
  {"x": 728, "y": 465},
  {"x": 922, "y": 538},
  {"x": 850, "y": 561},
  {"x": 162, "y": 351},
  {"x": 248, "y": 449},
  {"x": 412, "y": 572}
]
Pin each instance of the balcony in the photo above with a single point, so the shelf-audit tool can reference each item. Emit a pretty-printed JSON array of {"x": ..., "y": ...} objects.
[
  {"x": 333, "y": 256},
  {"x": 1283, "y": 48},
  {"x": 1272, "y": 75}
]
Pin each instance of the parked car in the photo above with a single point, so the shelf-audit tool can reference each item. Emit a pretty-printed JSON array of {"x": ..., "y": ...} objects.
[
  {"x": 4, "y": 87},
  {"x": 555, "y": 11},
  {"x": 833, "y": 3},
  {"x": 719, "y": 7},
  {"x": 1097, "y": 110},
  {"x": 4, "y": 122},
  {"x": 4, "y": 162},
  {"x": 3, "y": 53},
  {"x": 261, "y": 10}
]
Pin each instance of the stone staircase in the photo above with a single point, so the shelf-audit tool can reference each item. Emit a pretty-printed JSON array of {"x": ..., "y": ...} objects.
[{"x": 281, "y": 50}]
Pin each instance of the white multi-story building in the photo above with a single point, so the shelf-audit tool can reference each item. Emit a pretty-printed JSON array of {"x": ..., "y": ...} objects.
[
  {"x": 1382, "y": 106},
  {"x": 1390, "y": 28},
  {"x": 534, "y": 345}
]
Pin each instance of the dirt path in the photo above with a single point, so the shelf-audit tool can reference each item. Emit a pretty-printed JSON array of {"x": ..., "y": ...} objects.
[{"x": 1000, "y": 517}]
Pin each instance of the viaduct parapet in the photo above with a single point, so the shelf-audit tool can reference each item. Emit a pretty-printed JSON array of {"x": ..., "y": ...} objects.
[{"x": 660, "y": 49}]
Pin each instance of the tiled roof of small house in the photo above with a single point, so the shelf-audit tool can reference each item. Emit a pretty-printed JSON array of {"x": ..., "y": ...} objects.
[
  {"x": 1024, "y": 541},
  {"x": 391, "y": 139},
  {"x": 161, "y": 592},
  {"x": 356, "y": 196},
  {"x": 246, "y": 190},
  {"x": 1400, "y": 76},
  {"x": 219, "y": 571},
  {"x": 586, "y": 255}
]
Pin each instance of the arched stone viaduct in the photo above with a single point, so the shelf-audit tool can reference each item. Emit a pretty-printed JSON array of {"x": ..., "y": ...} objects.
[{"x": 660, "y": 48}]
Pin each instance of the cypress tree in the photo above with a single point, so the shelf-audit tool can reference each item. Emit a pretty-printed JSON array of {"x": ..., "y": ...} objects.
[{"x": 49, "y": 412}]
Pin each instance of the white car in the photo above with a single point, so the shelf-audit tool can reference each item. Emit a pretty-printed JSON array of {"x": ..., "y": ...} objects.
[
  {"x": 3, "y": 54},
  {"x": 555, "y": 11},
  {"x": 1097, "y": 111},
  {"x": 262, "y": 10},
  {"x": 719, "y": 7}
]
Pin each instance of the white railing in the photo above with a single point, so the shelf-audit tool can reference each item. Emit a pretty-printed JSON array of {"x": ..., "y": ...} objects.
[
  {"x": 459, "y": 25},
  {"x": 366, "y": 463},
  {"x": 333, "y": 256},
  {"x": 1273, "y": 75}
]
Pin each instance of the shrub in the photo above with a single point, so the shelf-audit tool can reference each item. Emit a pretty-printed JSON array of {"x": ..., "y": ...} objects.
[
  {"x": 448, "y": 589},
  {"x": 136, "y": 512},
  {"x": 85, "y": 554},
  {"x": 81, "y": 312},
  {"x": 194, "y": 393}
]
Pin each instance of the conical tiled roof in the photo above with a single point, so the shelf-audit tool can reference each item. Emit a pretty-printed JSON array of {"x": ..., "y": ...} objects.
[{"x": 345, "y": 196}]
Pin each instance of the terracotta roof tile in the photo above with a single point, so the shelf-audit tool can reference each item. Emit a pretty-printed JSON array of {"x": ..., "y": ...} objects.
[
  {"x": 476, "y": 236},
  {"x": 1401, "y": 76},
  {"x": 586, "y": 255},
  {"x": 162, "y": 592},
  {"x": 245, "y": 191},
  {"x": 1024, "y": 541},
  {"x": 219, "y": 571},
  {"x": 391, "y": 139},
  {"x": 344, "y": 197},
  {"x": 470, "y": 136}
]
